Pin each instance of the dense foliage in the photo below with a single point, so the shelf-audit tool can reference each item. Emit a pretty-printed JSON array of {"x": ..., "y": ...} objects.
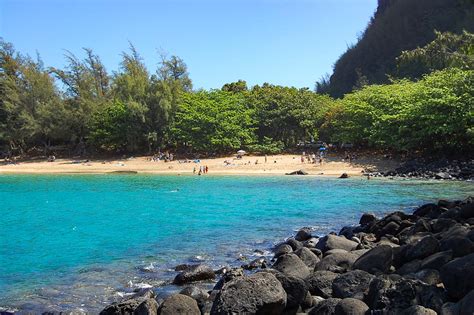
[
  {"x": 397, "y": 25},
  {"x": 435, "y": 113},
  {"x": 83, "y": 108}
]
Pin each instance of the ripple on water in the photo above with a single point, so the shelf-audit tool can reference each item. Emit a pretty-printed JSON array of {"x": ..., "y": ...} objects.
[{"x": 84, "y": 241}]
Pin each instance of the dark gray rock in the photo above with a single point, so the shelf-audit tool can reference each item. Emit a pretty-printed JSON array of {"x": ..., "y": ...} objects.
[
  {"x": 436, "y": 261},
  {"x": 458, "y": 276},
  {"x": 282, "y": 249},
  {"x": 179, "y": 304},
  {"x": 295, "y": 288},
  {"x": 350, "y": 306},
  {"x": 367, "y": 218},
  {"x": 326, "y": 307},
  {"x": 466, "y": 305},
  {"x": 260, "y": 293},
  {"x": 199, "y": 294},
  {"x": 303, "y": 234},
  {"x": 130, "y": 305},
  {"x": 442, "y": 224},
  {"x": 450, "y": 308},
  {"x": 426, "y": 210},
  {"x": 147, "y": 307},
  {"x": 456, "y": 239},
  {"x": 418, "y": 310},
  {"x": 376, "y": 260},
  {"x": 292, "y": 265},
  {"x": 307, "y": 302},
  {"x": 467, "y": 211},
  {"x": 311, "y": 243},
  {"x": 308, "y": 257},
  {"x": 353, "y": 284},
  {"x": 410, "y": 267},
  {"x": 335, "y": 242},
  {"x": 228, "y": 276},
  {"x": 344, "y": 175},
  {"x": 425, "y": 247},
  {"x": 397, "y": 295},
  {"x": 429, "y": 276},
  {"x": 320, "y": 283},
  {"x": 295, "y": 245},
  {"x": 337, "y": 262},
  {"x": 390, "y": 228},
  {"x": 193, "y": 274}
]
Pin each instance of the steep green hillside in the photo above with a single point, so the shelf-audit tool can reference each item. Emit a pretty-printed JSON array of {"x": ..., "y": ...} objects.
[{"x": 397, "y": 25}]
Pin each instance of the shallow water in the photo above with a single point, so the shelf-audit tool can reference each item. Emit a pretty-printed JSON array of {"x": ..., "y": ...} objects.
[{"x": 81, "y": 241}]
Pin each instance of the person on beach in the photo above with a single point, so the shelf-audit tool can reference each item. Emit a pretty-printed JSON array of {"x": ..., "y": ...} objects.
[
  {"x": 207, "y": 169},
  {"x": 265, "y": 158},
  {"x": 194, "y": 170}
]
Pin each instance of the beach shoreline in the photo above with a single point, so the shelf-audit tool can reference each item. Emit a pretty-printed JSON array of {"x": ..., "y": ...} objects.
[{"x": 332, "y": 166}]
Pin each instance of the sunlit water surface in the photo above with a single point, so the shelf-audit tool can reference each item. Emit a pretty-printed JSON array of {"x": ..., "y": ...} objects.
[{"x": 81, "y": 241}]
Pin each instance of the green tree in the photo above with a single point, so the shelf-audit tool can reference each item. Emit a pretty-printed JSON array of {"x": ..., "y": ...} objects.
[{"x": 214, "y": 121}]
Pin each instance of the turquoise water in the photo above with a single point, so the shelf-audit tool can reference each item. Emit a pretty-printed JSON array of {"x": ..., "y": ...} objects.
[{"x": 81, "y": 241}]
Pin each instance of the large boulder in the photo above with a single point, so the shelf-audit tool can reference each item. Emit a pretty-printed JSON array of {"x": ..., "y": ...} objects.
[
  {"x": 436, "y": 261},
  {"x": 457, "y": 240},
  {"x": 147, "y": 307},
  {"x": 466, "y": 305},
  {"x": 179, "y": 304},
  {"x": 367, "y": 218},
  {"x": 338, "y": 262},
  {"x": 199, "y": 294},
  {"x": 336, "y": 242},
  {"x": 228, "y": 276},
  {"x": 350, "y": 306},
  {"x": 260, "y": 293},
  {"x": 282, "y": 249},
  {"x": 326, "y": 307},
  {"x": 292, "y": 265},
  {"x": 295, "y": 288},
  {"x": 458, "y": 276},
  {"x": 320, "y": 283},
  {"x": 376, "y": 260},
  {"x": 425, "y": 247},
  {"x": 303, "y": 234},
  {"x": 467, "y": 211},
  {"x": 194, "y": 273},
  {"x": 395, "y": 295},
  {"x": 308, "y": 257},
  {"x": 353, "y": 284},
  {"x": 130, "y": 305},
  {"x": 418, "y": 310}
]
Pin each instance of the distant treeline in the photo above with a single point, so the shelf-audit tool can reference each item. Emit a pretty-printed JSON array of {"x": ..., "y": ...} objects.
[
  {"x": 396, "y": 26},
  {"x": 86, "y": 109}
]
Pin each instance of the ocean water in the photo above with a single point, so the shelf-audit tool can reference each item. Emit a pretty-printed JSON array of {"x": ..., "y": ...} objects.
[{"x": 70, "y": 242}]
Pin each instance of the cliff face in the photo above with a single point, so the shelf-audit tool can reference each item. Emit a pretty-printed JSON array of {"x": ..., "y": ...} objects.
[{"x": 397, "y": 25}]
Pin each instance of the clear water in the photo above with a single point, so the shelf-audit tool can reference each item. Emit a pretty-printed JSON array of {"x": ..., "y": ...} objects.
[{"x": 81, "y": 241}]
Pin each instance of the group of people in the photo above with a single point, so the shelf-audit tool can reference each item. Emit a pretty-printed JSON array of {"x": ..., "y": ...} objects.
[
  {"x": 167, "y": 157},
  {"x": 312, "y": 158},
  {"x": 203, "y": 169}
]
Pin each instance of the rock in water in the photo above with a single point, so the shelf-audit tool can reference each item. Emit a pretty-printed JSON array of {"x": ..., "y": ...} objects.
[
  {"x": 194, "y": 273},
  {"x": 303, "y": 234},
  {"x": 378, "y": 259},
  {"x": 179, "y": 304},
  {"x": 259, "y": 293},
  {"x": 291, "y": 265},
  {"x": 458, "y": 276},
  {"x": 344, "y": 175},
  {"x": 335, "y": 242}
]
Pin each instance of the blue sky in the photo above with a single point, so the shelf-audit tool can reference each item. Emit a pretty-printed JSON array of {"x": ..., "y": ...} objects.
[{"x": 286, "y": 42}]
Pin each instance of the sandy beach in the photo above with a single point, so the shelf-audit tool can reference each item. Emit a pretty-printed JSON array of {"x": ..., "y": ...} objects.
[{"x": 249, "y": 165}]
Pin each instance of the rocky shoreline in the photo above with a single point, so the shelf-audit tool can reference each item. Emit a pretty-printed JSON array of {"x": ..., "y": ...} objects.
[
  {"x": 439, "y": 169},
  {"x": 420, "y": 263}
]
